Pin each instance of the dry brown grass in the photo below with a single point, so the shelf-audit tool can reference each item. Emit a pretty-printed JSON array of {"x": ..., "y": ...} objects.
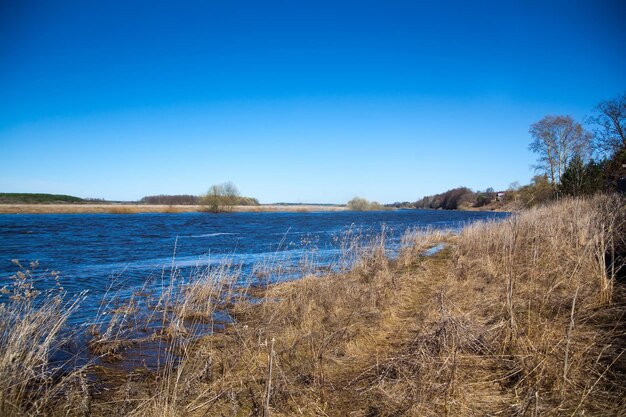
[
  {"x": 511, "y": 318},
  {"x": 32, "y": 329},
  {"x": 521, "y": 317},
  {"x": 280, "y": 208},
  {"x": 147, "y": 208},
  {"x": 92, "y": 208}
]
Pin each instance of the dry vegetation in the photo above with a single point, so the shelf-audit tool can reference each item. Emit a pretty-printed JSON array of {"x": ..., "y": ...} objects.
[
  {"x": 520, "y": 317},
  {"x": 147, "y": 208},
  {"x": 32, "y": 328}
]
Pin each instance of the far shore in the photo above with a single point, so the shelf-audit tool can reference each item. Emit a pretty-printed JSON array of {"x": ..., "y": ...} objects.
[{"x": 153, "y": 208}]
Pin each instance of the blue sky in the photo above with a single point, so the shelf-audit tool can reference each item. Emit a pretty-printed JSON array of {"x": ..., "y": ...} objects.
[{"x": 292, "y": 101}]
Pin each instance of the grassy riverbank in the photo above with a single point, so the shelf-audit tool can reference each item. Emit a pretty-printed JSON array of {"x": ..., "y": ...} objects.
[{"x": 520, "y": 317}]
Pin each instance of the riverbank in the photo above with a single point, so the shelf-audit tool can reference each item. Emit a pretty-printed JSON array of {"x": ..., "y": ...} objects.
[
  {"x": 519, "y": 317},
  {"x": 154, "y": 208}
]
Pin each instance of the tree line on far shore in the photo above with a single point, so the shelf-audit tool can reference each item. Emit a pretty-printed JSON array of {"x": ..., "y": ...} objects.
[
  {"x": 453, "y": 199},
  {"x": 219, "y": 198},
  {"x": 573, "y": 160}
]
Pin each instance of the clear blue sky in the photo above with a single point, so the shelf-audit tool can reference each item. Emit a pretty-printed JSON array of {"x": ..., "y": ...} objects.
[{"x": 292, "y": 101}]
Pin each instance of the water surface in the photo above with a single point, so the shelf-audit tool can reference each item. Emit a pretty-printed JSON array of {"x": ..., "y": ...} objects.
[{"x": 97, "y": 252}]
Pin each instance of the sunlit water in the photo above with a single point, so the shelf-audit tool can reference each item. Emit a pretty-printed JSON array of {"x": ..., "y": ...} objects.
[{"x": 101, "y": 253}]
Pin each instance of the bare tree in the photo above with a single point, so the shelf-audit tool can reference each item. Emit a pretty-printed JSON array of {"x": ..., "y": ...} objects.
[
  {"x": 231, "y": 195},
  {"x": 610, "y": 119},
  {"x": 362, "y": 204},
  {"x": 557, "y": 139},
  {"x": 221, "y": 197}
]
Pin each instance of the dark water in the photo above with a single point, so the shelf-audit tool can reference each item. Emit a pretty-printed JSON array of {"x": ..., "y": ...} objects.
[{"x": 95, "y": 251}]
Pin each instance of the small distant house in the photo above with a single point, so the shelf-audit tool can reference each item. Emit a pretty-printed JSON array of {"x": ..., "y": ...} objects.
[{"x": 500, "y": 195}]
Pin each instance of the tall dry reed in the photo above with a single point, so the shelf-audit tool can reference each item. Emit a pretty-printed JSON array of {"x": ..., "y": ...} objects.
[{"x": 32, "y": 330}]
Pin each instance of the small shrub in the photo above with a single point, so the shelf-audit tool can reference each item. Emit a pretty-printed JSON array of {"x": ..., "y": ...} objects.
[{"x": 361, "y": 204}]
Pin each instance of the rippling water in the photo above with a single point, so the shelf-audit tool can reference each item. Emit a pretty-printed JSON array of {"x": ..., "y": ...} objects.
[{"x": 94, "y": 251}]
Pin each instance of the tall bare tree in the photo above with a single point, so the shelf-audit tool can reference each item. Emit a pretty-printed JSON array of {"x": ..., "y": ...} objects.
[
  {"x": 610, "y": 121},
  {"x": 557, "y": 139}
]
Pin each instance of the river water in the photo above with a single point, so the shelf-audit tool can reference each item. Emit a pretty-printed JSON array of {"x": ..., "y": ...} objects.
[{"x": 100, "y": 253}]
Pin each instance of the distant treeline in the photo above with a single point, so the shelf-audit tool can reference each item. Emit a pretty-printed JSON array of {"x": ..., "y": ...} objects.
[
  {"x": 573, "y": 160},
  {"x": 188, "y": 199},
  {"x": 170, "y": 200},
  {"x": 456, "y": 198},
  {"x": 28, "y": 198}
]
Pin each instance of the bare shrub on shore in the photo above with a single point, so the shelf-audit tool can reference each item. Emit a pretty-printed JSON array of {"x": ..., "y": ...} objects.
[
  {"x": 220, "y": 197},
  {"x": 362, "y": 204}
]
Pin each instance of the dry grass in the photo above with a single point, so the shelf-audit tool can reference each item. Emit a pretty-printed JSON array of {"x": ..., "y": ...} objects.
[
  {"x": 511, "y": 318},
  {"x": 147, "y": 208},
  {"x": 521, "y": 317},
  {"x": 32, "y": 329},
  {"x": 92, "y": 208}
]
